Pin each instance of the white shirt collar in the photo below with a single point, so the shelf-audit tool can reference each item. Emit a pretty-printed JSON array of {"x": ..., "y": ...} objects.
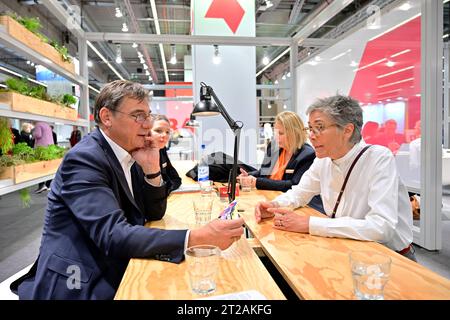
[
  {"x": 349, "y": 156},
  {"x": 121, "y": 154}
]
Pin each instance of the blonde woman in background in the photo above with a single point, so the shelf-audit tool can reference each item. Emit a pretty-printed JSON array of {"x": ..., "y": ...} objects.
[{"x": 287, "y": 157}]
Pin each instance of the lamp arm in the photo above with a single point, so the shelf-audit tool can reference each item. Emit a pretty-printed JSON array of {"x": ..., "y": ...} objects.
[
  {"x": 223, "y": 111},
  {"x": 234, "y": 169}
]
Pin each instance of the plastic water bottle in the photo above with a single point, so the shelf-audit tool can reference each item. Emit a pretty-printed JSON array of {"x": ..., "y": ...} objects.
[{"x": 203, "y": 168}]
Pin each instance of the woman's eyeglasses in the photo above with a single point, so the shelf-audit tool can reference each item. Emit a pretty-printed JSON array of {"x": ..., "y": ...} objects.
[{"x": 317, "y": 130}]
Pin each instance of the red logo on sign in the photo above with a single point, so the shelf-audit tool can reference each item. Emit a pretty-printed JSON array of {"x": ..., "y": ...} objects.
[{"x": 228, "y": 10}]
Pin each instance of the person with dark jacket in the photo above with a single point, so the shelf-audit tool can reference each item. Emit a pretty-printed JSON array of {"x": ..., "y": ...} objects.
[
  {"x": 287, "y": 157},
  {"x": 106, "y": 188},
  {"x": 161, "y": 133},
  {"x": 25, "y": 134}
]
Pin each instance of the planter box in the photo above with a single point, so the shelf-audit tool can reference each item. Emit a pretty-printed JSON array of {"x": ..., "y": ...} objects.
[
  {"x": 22, "y": 103},
  {"x": 28, "y": 38},
  {"x": 30, "y": 171},
  {"x": 7, "y": 173}
]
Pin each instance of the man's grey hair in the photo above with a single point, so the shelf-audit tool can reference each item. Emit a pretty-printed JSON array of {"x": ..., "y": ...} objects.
[
  {"x": 114, "y": 92},
  {"x": 342, "y": 110}
]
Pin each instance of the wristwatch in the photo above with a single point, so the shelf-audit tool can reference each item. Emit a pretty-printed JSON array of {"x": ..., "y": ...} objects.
[{"x": 153, "y": 175}]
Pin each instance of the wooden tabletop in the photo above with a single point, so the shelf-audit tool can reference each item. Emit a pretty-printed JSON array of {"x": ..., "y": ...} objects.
[
  {"x": 240, "y": 267},
  {"x": 318, "y": 268}
]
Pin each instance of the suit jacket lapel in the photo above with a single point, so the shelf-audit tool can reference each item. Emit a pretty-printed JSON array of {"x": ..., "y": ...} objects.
[{"x": 117, "y": 168}]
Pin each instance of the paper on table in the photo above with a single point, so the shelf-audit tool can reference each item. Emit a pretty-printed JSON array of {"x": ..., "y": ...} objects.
[
  {"x": 242, "y": 295},
  {"x": 187, "y": 188}
]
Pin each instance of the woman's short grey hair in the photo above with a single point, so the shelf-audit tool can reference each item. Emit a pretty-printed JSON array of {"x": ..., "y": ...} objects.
[
  {"x": 342, "y": 110},
  {"x": 113, "y": 93}
]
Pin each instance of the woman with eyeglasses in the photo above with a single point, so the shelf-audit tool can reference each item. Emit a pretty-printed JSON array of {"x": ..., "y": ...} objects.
[
  {"x": 161, "y": 132},
  {"x": 359, "y": 184},
  {"x": 287, "y": 157}
]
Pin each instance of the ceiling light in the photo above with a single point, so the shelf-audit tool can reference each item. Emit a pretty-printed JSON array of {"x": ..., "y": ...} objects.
[
  {"x": 134, "y": 45},
  {"x": 141, "y": 60},
  {"x": 216, "y": 58},
  {"x": 173, "y": 55},
  {"x": 288, "y": 74},
  {"x": 118, "y": 13},
  {"x": 145, "y": 67},
  {"x": 269, "y": 4},
  {"x": 284, "y": 106},
  {"x": 269, "y": 106},
  {"x": 265, "y": 60},
  {"x": 405, "y": 7},
  {"x": 276, "y": 81},
  {"x": 124, "y": 27},
  {"x": 283, "y": 77},
  {"x": 28, "y": 61},
  {"x": 147, "y": 73},
  {"x": 118, "y": 54},
  {"x": 89, "y": 63}
]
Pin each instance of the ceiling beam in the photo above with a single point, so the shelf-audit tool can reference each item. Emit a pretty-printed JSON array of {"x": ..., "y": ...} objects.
[
  {"x": 187, "y": 39},
  {"x": 320, "y": 19},
  {"x": 135, "y": 26},
  {"x": 295, "y": 12}
]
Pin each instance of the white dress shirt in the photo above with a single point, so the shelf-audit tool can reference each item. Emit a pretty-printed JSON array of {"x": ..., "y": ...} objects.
[
  {"x": 126, "y": 161},
  {"x": 374, "y": 206}
]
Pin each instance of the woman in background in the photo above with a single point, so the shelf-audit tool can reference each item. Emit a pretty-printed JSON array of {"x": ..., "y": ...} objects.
[
  {"x": 286, "y": 158},
  {"x": 161, "y": 132}
]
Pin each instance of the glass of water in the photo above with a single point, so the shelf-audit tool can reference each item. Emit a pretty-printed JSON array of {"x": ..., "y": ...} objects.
[{"x": 370, "y": 273}]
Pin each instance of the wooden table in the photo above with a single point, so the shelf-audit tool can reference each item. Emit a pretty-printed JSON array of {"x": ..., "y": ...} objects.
[
  {"x": 318, "y": 268},
  {"x": 240, "y": 267}
]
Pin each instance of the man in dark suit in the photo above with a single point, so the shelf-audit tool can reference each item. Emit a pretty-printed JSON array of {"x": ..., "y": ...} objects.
[{"x": 106, "y": 188}]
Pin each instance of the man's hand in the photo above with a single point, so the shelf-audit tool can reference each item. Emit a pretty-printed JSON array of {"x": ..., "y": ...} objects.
[
  {"x": 262, "y": 212},
  {"x": 288, "y": 220},
  {"x": 221, "y": 233},
  {"x": 148, "y": 156}
]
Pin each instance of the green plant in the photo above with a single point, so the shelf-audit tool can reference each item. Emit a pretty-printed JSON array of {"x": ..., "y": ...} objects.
[
  {"x": 25, "y": 197},
  {"x": 23, "y": 151},
  {"x": 62, "y": 51},
  {"x": 48, "y": 153},
  {"x": 6, "y": 137},
  {"x": 19, "y": 85},
  {"x": 9, "y": 161},
  {"x": 68, "y": 99},
  {"x": 34, "y": 25}
]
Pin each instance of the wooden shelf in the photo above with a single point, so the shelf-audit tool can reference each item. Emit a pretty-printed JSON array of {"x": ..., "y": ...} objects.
[
  {"x": 23, "y": 50},
  {"x": 5, "y": 111}
]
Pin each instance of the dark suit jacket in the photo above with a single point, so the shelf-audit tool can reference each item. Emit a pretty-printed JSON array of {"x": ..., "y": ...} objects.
[
  {"x": 93, "y": 226},
  {"x": 299, "y": 163},
  {"x": 168, "y": 172}
]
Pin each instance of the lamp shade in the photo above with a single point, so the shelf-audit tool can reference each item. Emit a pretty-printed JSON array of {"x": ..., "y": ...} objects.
[{"x": 205, "y": 108}]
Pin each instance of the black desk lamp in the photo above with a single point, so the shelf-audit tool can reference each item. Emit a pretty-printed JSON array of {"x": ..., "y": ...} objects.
[
  {"x": 212, "y": 107},
  {"x": 191, "y": 123}
]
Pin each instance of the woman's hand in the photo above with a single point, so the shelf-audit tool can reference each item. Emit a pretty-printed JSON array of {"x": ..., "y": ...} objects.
[
  {"x": 243, "y": 173},
  {"x": 288, "y": 220},
  {"x": 262, "y": 210}
]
